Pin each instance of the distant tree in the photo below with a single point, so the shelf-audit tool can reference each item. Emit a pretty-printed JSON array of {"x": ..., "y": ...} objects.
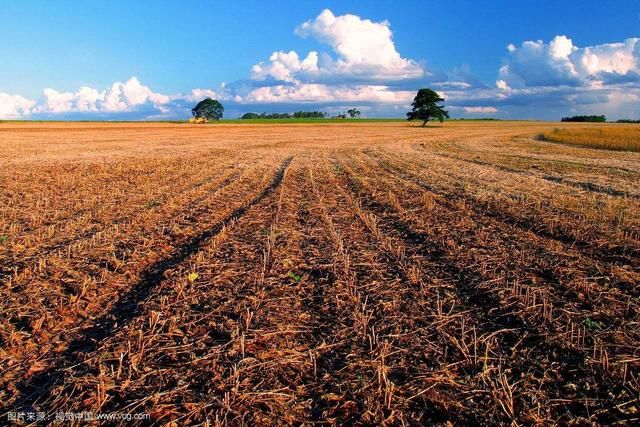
[
  {"x": 208, "y": 108},
  {"x": 353, "y": 113},
  {"x": 593, "y": 119},
  {"x": 296, "y": 115},
  {"x": 309, "y": 115},
  {"x": 426, "y": 107}
]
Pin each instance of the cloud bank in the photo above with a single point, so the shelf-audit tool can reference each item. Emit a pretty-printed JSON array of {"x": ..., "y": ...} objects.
[
  {"x": 359, "y": 65},
  {"x": 14, "y": 106},
  {"x": 557, "y": 78},
  {"x": 560, "y": 62},
  {"x": 120, "y": 97}
]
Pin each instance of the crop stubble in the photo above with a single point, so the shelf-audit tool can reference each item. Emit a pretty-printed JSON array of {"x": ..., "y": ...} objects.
[{"x": 373, "y": 273}]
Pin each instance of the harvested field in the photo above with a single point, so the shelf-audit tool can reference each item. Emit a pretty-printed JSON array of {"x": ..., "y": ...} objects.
[{"x": 331, "y": 274}]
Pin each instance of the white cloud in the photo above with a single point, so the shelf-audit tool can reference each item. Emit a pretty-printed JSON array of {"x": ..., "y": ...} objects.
[
  {"x": 560, "y": 62},
  {"x": 120, "y": 97},
  {"x": 87, "y": 98},
  {"x": 613, "y": 58},
  {"x": 14, "y": 106},
  {"x": 125, "y": 96},
  {"x": 454, "y": 85},
  {"x": 552, "y": 79},
  {"x": 480, "y": 110},
  {"x": 502, "y": 85},
  {"x": 55, "y": 102},
  {"x": 285, "y": 65},
  {"x": 84, "y": 100},
  {"x": 365, "y": 62},
  {"x": 362, "y": 46},
  {"x": 130, "y": 97},
  {"x": 365, "y": 53},
  {"x": 197, "y": 95},
  {"x": 309, "y": 92}
]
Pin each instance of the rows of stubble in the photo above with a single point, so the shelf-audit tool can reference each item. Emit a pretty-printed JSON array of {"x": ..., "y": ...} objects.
[{"x": 274, "y": 275}]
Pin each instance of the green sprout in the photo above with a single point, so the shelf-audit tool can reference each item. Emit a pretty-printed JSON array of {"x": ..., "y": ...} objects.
[
  {"x": 295, "y": 277},
  {"x": 592, "y": 324}
]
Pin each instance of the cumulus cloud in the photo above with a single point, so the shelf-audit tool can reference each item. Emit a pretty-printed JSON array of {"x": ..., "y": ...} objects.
[
  {"x": 363, "y": 47},
  {"x": 364, "y": 66},
  {"x": 125, "y": 96},
  {"x": 120, "y": 97},
  {"x": 84, "y": 100},
  {"x": 285, "y": 66},
  {"x": 363, "y": 53},
  {"x": 560, "y": 62},
  {"x": 198, "y": 94},
  {"x": 14, "y": 106},
  {"x": 129, "y": 99}
]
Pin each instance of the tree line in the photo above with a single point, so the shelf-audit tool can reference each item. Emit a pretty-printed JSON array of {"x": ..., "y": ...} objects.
[
  {"x": 427, "y": 105},
  {"x": 595, "y": 119},
  {"x": 296, "y": 115},
  {"x": 591, "y": 119},
  {"x": 353, "y": 113}
]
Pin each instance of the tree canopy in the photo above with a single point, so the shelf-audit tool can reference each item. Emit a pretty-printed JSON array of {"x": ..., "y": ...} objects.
[
  {"x": 594, "y": 119},
  {"x": 353, "y": 113},
  {"x": 309, "y": 115},
  {"x": 296, "y": 115},
  {"x": 426, "y": 107},
  {"x": 208, "y": 108}
]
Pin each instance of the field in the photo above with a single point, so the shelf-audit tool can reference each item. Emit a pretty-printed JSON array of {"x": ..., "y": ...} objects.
[
  {"x": 623, "y": 138},
  {"x": 329, "y": 274}
]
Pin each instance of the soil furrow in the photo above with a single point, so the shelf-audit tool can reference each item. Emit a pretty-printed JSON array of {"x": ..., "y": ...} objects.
[
  {"x": 128, "y": 304},
  {"x": 470, "y": 286}
]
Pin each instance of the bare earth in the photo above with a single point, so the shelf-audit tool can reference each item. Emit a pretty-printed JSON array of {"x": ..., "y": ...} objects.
[{"x": 318, "y": 274}]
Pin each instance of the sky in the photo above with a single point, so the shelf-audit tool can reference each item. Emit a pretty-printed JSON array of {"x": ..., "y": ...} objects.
[{"x": 124, "y": 60}]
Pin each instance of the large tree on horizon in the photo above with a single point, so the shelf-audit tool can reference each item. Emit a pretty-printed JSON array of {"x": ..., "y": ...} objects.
[
  {"x": 208, "y": 108},
  {"x": 426, "y": 107}
]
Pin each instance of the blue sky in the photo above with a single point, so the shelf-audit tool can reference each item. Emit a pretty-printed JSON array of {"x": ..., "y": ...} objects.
[{"x": 145, "y": 60}]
